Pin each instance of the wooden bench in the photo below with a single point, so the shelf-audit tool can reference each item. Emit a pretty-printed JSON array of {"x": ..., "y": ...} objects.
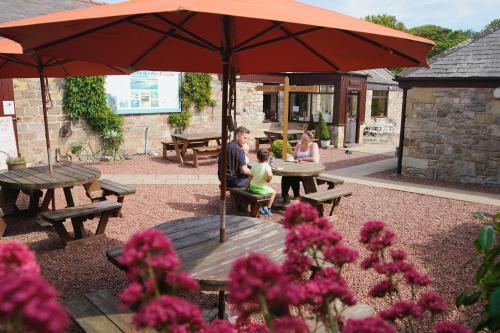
[
  {"x": 110, "y": 187},
  {"x": 212, "y": 151},
  {"x": 259, "y": 140},
  {"x": 80, "y": 214},
  {"x": 7, "y": 206},
  {"x": 255, "y": 201},
  {"x": 170, "y": 146},
  {"x": 328, "y": 179},
  {"x": 332, "y": 196}
]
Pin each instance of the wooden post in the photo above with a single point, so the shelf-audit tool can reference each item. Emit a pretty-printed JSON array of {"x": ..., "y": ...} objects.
[
  {"x": 44, "y": 88},
  {"x": 286, "y": 92}
]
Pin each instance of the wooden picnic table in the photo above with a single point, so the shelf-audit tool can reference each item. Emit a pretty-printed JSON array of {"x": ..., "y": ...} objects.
[
  {"x": 274, "y": 134},
  {"x": 307, "y": 170},
  {"x": 196, "y": 241},
  {"x": 39, "y": 178},
  {"x": 188, "y": 139}
]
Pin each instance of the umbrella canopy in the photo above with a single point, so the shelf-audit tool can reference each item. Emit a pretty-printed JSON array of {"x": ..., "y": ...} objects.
[
  {"x": 218, "y": 36},
  {"x": 15, "y": 64}
]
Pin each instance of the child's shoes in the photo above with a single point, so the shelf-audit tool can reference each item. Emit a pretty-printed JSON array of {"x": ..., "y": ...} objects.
[{"x": 267, "y": 211}]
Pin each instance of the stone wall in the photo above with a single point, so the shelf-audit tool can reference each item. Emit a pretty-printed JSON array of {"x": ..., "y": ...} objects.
[{"x": 453, "y": 134}]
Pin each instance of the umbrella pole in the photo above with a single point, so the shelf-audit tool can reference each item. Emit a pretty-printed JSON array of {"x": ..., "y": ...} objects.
[
  {"x": 286, "y": 90},
  {"x": 45, "y": 118},
  {"x": 225, "y": 79}
]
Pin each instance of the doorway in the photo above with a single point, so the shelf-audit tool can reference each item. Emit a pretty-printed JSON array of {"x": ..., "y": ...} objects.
[{"x": 352, "y": 117}]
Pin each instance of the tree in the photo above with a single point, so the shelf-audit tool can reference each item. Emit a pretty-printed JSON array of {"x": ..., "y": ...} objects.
[
  {"x": 492, "y": 24},
  {"x": 443, "y": 37},
  {"x": 386, "y": 20}
]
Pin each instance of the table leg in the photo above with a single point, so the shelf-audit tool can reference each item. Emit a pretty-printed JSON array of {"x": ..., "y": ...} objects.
[
  {"x": 8, "y": 200},
  {"x": 77, "y": 223},
  {"x": 49, "y": 195},
  {"x": 309, "y": 184},
  {"x": 177, "y": 150},
  {"x": 185, "y": 146},
  {"x": 222, "y": 305}
]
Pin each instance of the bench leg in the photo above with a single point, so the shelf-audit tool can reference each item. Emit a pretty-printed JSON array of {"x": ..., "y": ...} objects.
[
  {"x": 255, "y": 209},
  {"x": 49, "y": 195},
  {"x": 195, "y": 159},
  {"x": 103, "y": 221},
  {"x": 257, "y": 143},
  {"x": 335, "y": 204},
  {"x": 164, "y": 151},
  {"x": 62, "y": 232},
  {"x": 119, "y": 212},
  {"x": 222, "y": 305},
  {"x": 3, "y": 226},
  {"x": 78, "y": 227}
]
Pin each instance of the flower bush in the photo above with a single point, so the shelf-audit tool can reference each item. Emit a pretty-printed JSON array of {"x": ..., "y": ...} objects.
[
  {"x": 27, "y": 302},
  {"x": 306, "y": 291}
]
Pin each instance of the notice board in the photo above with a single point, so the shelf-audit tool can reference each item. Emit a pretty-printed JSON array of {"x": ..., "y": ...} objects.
[{"x": 7, "y": 140}]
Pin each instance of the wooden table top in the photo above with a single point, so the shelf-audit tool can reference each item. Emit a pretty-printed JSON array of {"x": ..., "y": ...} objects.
[
  {"x": 196, "y": 241},
  {"x": 39, "y": 177},
  {"x": 198, "y": 136},
  {"x": 299, "y": 169}
]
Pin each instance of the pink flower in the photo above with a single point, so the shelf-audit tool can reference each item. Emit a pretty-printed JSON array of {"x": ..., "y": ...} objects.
[
  {"x": 171, "y": 313},
  {"x": 325, "y": 286},
  {"x": 433, "y": 303},
  {"x": 181, "y": 282},
  {"x": 391, "y": 268},
  {"x": 30, "y": 304},
  {"x": 450, "y": 327},
  {"x": 290, "y": 324},
  {"x": 341, "y": 254},
  {"x": 219, "y": 326},
  {"x": 132, "y": 294},
  {"x": 371, "y": 229},
  {"x": 307, "y": 236},
  {"x": 380, "y": 241},
  {"x": 296, "y": 265},
  {"x": 402, "y": 309},
  {"x": 15, "y": 258},
  {"x": 299, "y": 213},
  {"x": 369, "y": 261},
  {"x": 368, "y": 325},
  {"x": 398, "y": 255},
  {"x": 382, "y": 288},
  {"x": 150, "y": 248},
  {"x": 283, "y": 295},
  {"x": 416, "y": 278},
  {"x": 323, "y": 223},
  {"x": 255, "y": 328},
  {"x": 250, "y": 277}
]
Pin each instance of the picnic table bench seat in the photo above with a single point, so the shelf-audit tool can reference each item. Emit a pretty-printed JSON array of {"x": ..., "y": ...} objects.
[
  {"x": 80, "y": 214},
  {"x": 253, "y": 200},
  {"x": 212, "y": 151},
  {"x": 330, "y": 180},
  {"x": 169, "y": 146},
  {"x": 332, "y": 196},
  {"x": 110, "y": 187},
  {"x": 259, "y": 140}
]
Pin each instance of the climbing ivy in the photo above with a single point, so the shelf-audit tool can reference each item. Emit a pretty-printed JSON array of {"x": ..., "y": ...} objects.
[
  {"x": 196, "y": 91},
  {"x": 85, "y": 97}
]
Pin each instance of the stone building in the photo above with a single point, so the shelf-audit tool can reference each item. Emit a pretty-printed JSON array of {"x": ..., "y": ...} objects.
[{"x": 452, "y": 128}]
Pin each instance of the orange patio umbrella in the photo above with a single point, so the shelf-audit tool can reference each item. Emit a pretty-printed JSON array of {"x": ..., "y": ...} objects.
[
  {"x": 219, "y": 36},
  {"x": 15, "y": 64}
]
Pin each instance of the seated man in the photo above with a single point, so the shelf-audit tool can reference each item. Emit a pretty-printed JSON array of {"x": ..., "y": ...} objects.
[{"x": 236, "y": 167}]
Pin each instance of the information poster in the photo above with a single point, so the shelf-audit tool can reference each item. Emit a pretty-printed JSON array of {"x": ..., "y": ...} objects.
[
  {"x": 144, "y": 92},
  {"x": 7, "y": 140}
]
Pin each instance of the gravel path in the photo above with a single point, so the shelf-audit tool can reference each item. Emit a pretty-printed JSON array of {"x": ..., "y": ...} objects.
[
  {"x": 436, "y": 232},
  {"x": 141, "y": 164},
  {"x": 392, "y": 175}
]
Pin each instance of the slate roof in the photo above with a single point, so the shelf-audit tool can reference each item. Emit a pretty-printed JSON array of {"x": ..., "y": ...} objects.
[
  {"x": 378, "y": 76},
  {"x": 11, "y": 10},
  {"x": 477, "y": 58}
]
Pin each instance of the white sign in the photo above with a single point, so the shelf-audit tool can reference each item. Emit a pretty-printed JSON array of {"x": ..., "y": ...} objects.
[
  {"x": 8, "y": 108},
  {"x": 7, "y": 140},
  {"x": 144, "y": 92}
]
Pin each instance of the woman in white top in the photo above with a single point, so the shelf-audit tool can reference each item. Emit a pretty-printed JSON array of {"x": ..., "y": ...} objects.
[{"x": 305, "y": 151}]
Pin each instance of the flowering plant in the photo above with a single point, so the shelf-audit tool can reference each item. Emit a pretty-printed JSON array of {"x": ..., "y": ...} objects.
[
  {"x": 27, "y": 302},
  {"x": 305, "y": 292}
]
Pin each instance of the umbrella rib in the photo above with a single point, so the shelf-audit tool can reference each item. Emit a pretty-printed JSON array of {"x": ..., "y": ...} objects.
[
  {"x": 260, "y": 34},
  {"x": 159, "y": 42},
  {"x": 5, "y": 62},
  {"x": 61, "y": 64},
  {"x": 277, "y": 39},
  {"x": 83, "y": 33},
  {"x": 192, "y": 34},
  {"x": 173, "y": 35},
  {"x": 118, "y": 69},
  {"x": 381, "y": 46},
  {"x": 309, "y": 48},
  {"x": 16, "y": 60}
]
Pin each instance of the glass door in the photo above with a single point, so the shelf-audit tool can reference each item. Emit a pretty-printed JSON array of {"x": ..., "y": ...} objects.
[{"x": 352, "y": 110}]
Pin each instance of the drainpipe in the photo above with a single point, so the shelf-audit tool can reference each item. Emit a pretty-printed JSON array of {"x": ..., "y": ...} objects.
[
  {"x": 146, "y": 140},
  {"x": 402, "y": 132}
]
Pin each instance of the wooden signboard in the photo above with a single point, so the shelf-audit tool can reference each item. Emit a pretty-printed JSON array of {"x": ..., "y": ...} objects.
[{"x": 287, "y": 88}]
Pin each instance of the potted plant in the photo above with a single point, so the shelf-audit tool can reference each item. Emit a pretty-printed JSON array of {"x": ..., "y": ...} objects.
[
  {"x": 16, "y": 163},
  {"x": 323, "y": 131}
]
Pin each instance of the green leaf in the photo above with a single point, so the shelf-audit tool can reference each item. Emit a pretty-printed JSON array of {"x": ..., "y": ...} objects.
[
  {"x": 467, "y": 298},
  {"x": 480, "y": 216},
  {"x": 494, "y": 306},
  {"x": 486, "y": 237}
]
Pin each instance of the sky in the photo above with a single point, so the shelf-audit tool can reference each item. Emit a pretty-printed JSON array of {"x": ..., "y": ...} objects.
[{"x": 454, "y": 14}]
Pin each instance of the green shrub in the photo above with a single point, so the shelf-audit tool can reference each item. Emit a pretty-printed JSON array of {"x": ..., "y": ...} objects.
[
  {"x": 487, "y": 290},
  {"x": 16, "y": 160},
  {"x": 323, "y": 130},
  {"x": 277, "y": 148},
  {"x": 180, "y": 121},
  {"x": 196, "y": 91},
  {"x": 86, "y": 97}
]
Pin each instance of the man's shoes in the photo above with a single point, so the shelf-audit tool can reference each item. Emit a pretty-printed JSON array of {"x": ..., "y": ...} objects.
[{"x": 267, "y": 211}]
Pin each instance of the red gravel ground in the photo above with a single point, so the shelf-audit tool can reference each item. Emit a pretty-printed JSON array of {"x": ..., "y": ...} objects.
[
  {"x": 436, "y": 232},
  {"x": 392, "y": 175},
  {"x": 141, "y": 164}
]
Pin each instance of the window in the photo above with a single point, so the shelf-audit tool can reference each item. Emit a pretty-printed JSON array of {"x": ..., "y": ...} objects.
[
  {"x": 379, "y": 103},
  {"x": 304, "y": 105},
  {"x": 270, "y": 106}
]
